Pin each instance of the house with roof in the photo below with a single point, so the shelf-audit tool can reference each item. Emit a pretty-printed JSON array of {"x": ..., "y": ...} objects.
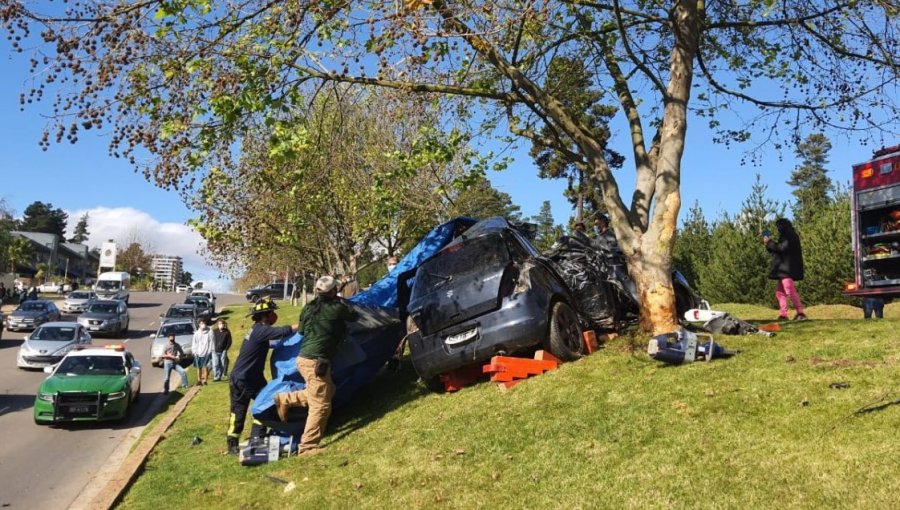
[{"x": 66, "y": 260}]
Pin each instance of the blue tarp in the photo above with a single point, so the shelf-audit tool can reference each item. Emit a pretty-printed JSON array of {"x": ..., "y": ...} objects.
[{"x": 371, "y": 342}]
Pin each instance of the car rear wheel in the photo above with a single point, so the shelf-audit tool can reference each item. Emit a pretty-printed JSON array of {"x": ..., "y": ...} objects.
[
  {"x": 254, "y": 298},
  {"x": 565, "y": 339},
  {"x": 434, "y": 384}
]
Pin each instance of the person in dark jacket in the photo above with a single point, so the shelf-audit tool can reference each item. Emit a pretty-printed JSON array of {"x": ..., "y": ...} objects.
[
  {"x": 247, "y": 377},
  {"x": 786, "y": 268},
  {"x": 221, "y": 344},
  {"x": 323, "y": 324}
]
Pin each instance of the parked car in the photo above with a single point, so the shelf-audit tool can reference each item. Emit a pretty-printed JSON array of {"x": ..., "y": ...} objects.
[
  {"x": 76, "y": 301},
  {"x": 92, "y": 384},
  {"x": 179, "y": 312},
  {"x": 108, "y": 316},
  {"x": 487, "y": 292},
  {"x": 208, "y": 294},
  {"x": 49, "y": 343},
  {"x": 204, "y": 307},
  {"x": 272, "y": 290},
  {"x": 53, "y": 287},
  {"x": 184, "y": 333},
  {"x": 32, "y": 314},
  {"x": 183, "y": 288}
]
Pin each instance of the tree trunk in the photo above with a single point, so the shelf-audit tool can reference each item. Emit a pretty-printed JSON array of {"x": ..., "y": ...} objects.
[
  {"x": 649, "y": 253},
  {"x": 652, "y": 275}
]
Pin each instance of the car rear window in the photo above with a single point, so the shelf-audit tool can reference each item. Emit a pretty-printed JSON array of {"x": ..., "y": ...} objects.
[
  {"x": 180, "y": 312},
  {"x": 467, "y": 257}
]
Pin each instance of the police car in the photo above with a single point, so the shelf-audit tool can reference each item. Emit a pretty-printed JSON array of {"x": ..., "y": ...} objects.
[{"x": 89, "y": 384}]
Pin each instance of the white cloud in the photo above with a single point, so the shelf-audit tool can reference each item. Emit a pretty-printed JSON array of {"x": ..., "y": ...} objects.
[{"x": 125, "y": 223}]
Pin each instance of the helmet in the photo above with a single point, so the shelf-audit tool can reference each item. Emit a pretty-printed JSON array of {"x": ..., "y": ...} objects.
[
  {"x": 325, "y": 284},
  {"x": 262, "y": 307}
]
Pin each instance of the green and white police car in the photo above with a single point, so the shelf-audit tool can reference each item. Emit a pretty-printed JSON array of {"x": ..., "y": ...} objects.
[{"x": 89, "y": 384}]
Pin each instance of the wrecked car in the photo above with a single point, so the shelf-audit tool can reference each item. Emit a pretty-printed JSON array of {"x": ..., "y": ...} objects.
[
  {"x": 488, "y": 292},
  {"x": 598, "y": 277}
]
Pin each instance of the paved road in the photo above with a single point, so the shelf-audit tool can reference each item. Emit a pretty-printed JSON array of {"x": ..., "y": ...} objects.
[{"x": 46, "y": 467}]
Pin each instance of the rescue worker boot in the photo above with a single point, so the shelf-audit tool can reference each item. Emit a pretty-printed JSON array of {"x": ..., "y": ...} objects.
[{"x": 233, "y": 446}]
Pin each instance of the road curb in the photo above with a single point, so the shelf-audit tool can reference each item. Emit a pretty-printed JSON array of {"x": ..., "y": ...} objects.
[{"x": 123, "y": 474}]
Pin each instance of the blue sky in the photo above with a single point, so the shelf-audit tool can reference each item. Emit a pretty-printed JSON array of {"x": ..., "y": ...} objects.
[{"x": 82, "y": 177}]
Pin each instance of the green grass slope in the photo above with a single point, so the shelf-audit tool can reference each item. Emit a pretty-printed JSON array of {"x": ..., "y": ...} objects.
[{"x": 764, "y": 429}]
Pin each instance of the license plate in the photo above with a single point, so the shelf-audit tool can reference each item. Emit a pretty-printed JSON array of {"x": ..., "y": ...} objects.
[
  {"x": 460, "y": 338},
  {"x": 94, "y": 328},
  {"x": 80, "y": 409}
]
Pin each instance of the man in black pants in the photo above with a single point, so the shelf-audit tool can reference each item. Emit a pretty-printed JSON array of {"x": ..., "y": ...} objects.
[{"x": 247, "y": 377}]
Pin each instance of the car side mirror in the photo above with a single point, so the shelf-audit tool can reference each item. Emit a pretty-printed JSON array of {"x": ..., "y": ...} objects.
[
  {"x": 27, "y": 338},
  {"x": 135, "y": 370},
  {"x": 48, "y": 370}
]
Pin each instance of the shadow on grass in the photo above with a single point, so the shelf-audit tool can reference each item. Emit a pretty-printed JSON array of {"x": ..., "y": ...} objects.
[{"x": 390, "y": 390}]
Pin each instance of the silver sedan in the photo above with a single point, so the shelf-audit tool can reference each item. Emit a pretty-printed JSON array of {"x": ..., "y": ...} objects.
[{"x": 49, "y": 343}]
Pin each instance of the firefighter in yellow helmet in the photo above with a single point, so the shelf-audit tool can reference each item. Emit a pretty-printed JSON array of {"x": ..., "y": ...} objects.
[{"x": 247, "y": 377}]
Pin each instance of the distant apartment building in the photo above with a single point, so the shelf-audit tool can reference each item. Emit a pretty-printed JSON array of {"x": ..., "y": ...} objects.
[{"x": 166, "y": 272}]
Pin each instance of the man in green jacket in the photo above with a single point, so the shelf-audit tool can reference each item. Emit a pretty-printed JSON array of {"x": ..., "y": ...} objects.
[{"x": 323, "y": 324}]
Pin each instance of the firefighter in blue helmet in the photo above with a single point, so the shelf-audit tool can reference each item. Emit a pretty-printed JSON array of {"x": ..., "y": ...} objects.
[{"x": 247, "y": 377}]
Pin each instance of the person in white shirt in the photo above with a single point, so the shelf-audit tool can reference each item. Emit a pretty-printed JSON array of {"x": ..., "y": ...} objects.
[{"x": 202, "y": 345}]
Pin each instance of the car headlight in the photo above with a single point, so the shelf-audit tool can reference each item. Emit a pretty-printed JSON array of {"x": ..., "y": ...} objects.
[
  {"x": 116, "y": 396},
  {"x": 25, "y": 349},
  {"x": 47, "y": 397}
]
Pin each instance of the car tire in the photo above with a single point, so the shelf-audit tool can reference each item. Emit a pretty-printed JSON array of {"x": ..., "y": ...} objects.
[
  {"x": 254, "y": 298},
  {"x": 434, "y": 384},
  {"x": 564, "y": 339}
]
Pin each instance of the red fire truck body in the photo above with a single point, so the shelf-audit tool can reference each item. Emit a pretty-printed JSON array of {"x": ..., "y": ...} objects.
[{"x": 875, "y": 224}]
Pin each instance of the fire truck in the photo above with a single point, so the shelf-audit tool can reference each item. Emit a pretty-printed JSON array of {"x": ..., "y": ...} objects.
[{"x": 875, "y": 225}]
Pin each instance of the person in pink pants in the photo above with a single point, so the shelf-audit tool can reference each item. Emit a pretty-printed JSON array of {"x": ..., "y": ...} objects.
[{"x": 786, "y": 268}]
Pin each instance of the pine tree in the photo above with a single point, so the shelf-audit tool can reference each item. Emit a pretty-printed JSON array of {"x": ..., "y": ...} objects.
[
  {"x": 827, "y": 253},
  {"x": 41, "y": 217},
  {"x": 81, "y": 233},
  {"x": 692, "y": 247},
  {"x": 738, "y": 267},
  {"x": 571, "y": 81},
  {"x": 547, "y": 231},
  {"x": 810, "y": 178}
]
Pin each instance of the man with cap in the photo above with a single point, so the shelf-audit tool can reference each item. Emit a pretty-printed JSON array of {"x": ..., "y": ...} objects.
[
  {"x": 606, "y": 239},
  {"x": 247, "y": 377},
  {"x": 323, "y": 324}
]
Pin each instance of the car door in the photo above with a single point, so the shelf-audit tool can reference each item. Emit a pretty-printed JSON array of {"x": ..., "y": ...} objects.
[
  {"x": 54, "y": 311},
  {"x": 123, "y": 315}
]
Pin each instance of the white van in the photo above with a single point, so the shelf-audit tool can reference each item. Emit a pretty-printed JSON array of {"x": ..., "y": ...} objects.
[{"x": 113, "y": 285}]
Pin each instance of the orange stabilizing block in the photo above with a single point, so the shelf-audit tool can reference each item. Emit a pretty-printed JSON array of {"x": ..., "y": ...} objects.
[
  {"x": 454, "y": 380},
  {"x": 773, "y": 327},
  {"x": 506, "y": 368},
  {"x": 590, "y": 341}
]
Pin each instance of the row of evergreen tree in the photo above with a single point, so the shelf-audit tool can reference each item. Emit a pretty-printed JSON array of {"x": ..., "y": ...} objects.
[{"x": 726, "y": 261}]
